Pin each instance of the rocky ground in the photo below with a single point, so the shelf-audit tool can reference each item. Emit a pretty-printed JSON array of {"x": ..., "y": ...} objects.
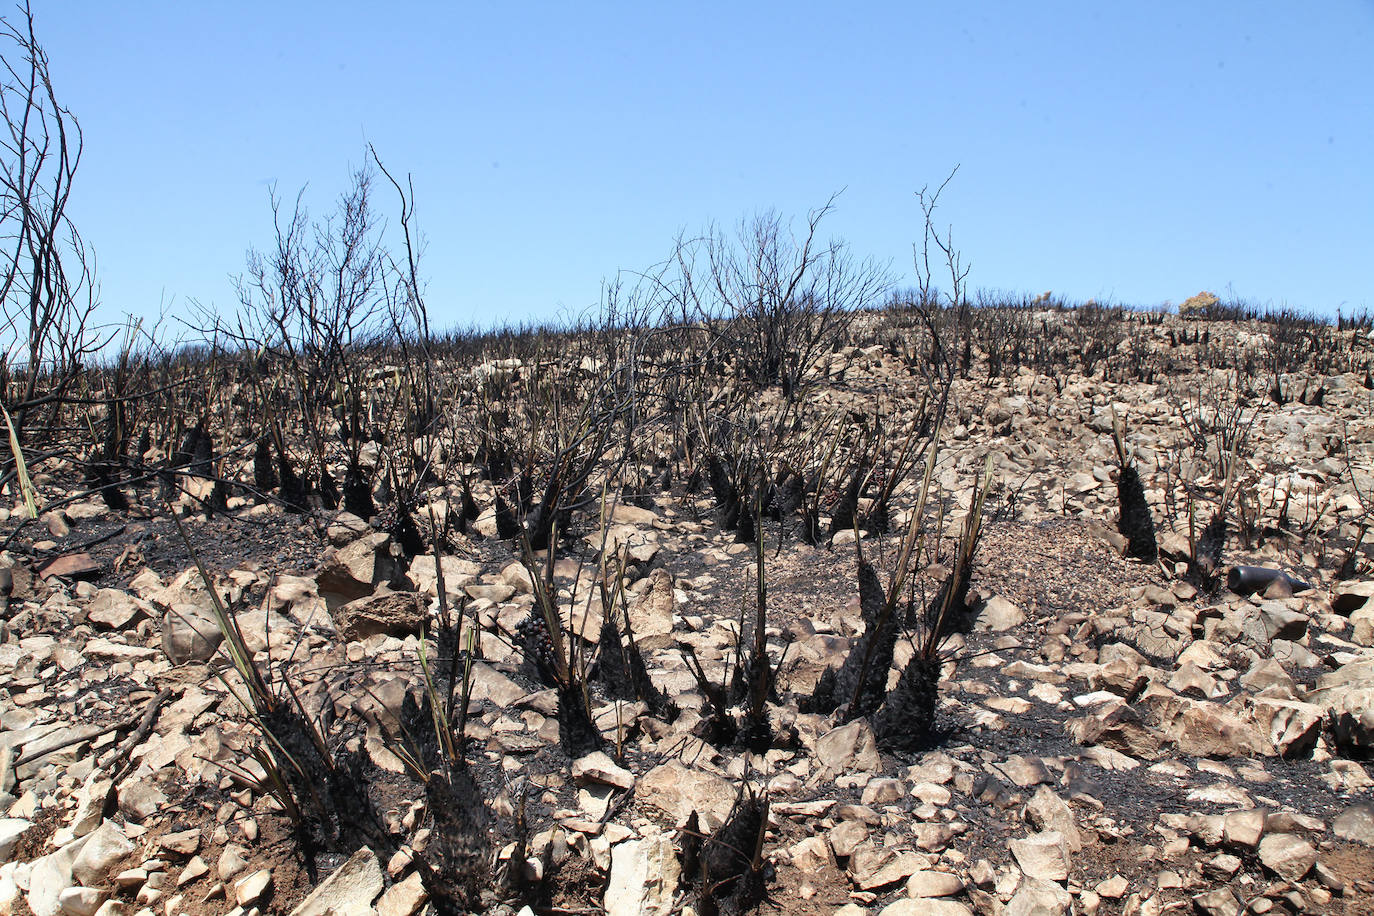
[{"x": 1116, "y": 740}]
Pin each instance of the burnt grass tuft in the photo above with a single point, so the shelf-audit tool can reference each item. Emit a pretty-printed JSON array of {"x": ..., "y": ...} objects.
[
  {"x": 576, "y": 731},
  {"x": 1135, "y": 524},
  {"x": 458, "y": 856},
  {"x": 732, "y": 877},
  {"x": 1204, "y": 568},
  {"x": 860, "y": 683},
  {"x": 907, "y": 720},
  {"x": 620, "y": 669}
]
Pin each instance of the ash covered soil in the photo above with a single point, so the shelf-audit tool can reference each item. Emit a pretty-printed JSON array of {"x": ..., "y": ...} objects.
[{"x": 1114, "y": 735}]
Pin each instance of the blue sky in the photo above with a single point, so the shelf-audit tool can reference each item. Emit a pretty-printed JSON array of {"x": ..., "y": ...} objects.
[{"x": 1135, "y": 153}]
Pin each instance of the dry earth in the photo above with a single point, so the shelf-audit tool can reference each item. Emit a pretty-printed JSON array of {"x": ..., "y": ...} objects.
[{"x": 1115, "y": 741}]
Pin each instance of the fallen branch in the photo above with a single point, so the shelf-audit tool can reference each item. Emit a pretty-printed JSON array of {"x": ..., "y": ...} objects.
[{"x": 145, "y": 726}]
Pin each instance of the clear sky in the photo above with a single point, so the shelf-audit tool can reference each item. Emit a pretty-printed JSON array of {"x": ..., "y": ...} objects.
[{"x": 1130, "y": 152}]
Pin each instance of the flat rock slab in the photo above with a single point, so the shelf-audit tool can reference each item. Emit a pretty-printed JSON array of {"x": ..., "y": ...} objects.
[
  {"x": 925, "y": 907},
  {"x": 349, "y": 891},
  {"x": 71, "y": 566},
  {"x": 678, "y": 791}
]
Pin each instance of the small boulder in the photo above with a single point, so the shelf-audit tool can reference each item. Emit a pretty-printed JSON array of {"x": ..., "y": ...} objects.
[
  {"x": 933, "y": 884},
  {"x": 232, "y": 861},
  {"x": 490, "y": 684},
  {"x": 1356, "y": 824},
  {"x": 598, "y": 767},
  {"x": 49, "y": 876},
  {"x": 104, "y": 846},
  {"x": 1288, "y": 856},
  {"x": 848, "y": 748},
  {"x": 190, "y": 633},
  {"x": 140, "y": 799},
  {"x": 1281, "y": 621},
  {"x": 1025, "y": 771},
  {"x": 517, "y": 577},
  {"x": 81, "y": 901},
  {"x": 404, "y": 898},
  {"x": 1039, "y": 897},
  {"x": 1219, "y": 902},
  {"x": 644, "y": 877},
  {"x": 1046, "y": 811},
  {"x": 1043, "y": 855},
  {"x": 1362, "y": 629},
  {"x": 346, "y": 528},
  {"x": 253, "y": 889},
  {"x": 112, "y": 609},
  {"x": 846, "y": 836},
  {"x": 884, "y": 868},
  {"x": 1348, "y": 597},
  {"x": 181, "y": 842},
  {"x": 1292, "y": 726},
  {"x": 355, "y": 571},
  {"x": 812, "y": 855},
  {"x": 398, "y": 614},
  {"x": 883, "y": 791},
  {"x": 652, "y": 614},
  {"x": 1243, "y": 829},
  {"x": 999, "y": 615}
]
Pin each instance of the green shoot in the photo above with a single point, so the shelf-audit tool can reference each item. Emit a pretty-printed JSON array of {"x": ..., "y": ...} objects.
[{"x": 21, "y": 469}]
